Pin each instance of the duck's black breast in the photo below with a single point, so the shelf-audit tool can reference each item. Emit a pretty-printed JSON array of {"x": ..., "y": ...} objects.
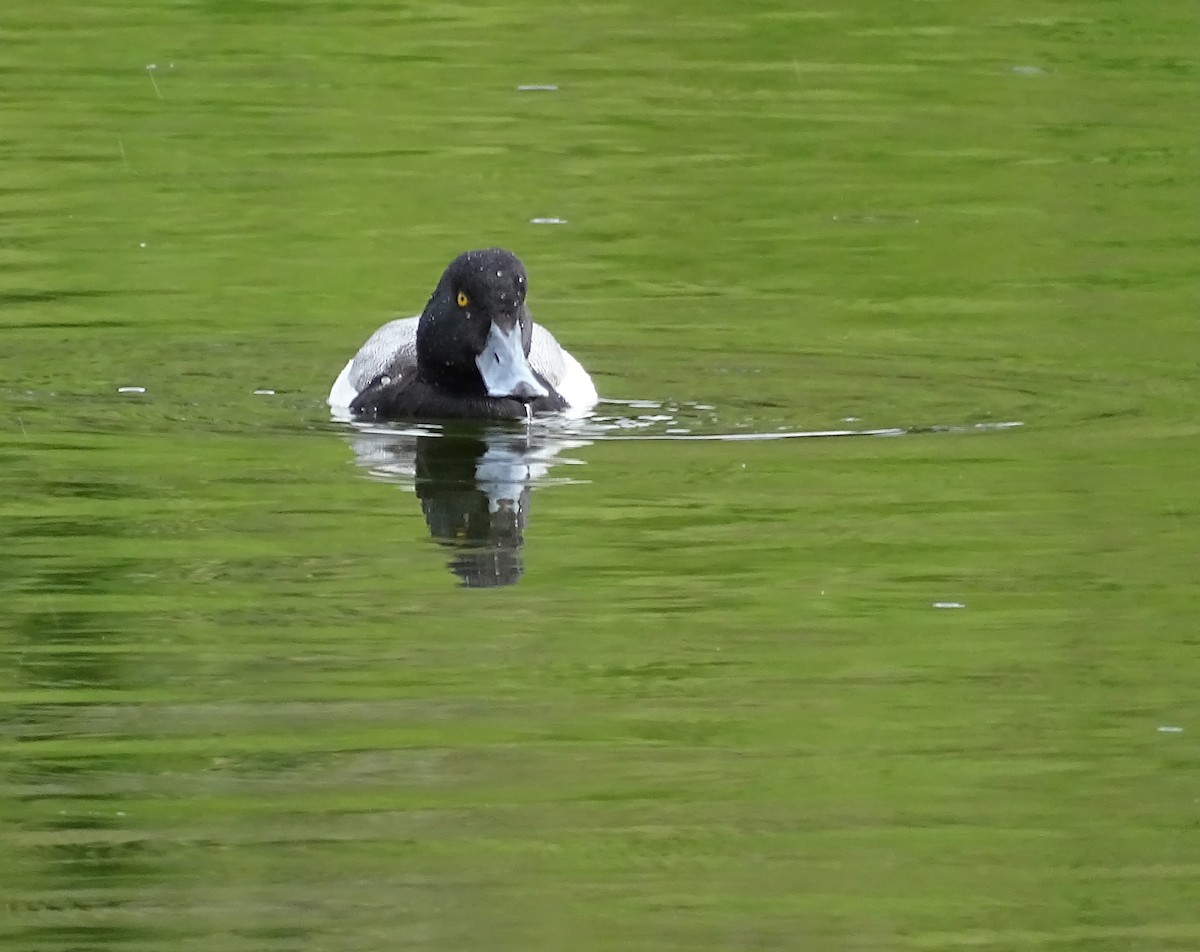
[{"x": 386, "y": 398}]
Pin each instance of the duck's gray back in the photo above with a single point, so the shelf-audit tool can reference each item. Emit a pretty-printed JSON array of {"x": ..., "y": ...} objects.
[
  {"x": 546, "y": 356},
  {"x": 391, "y": 349}
]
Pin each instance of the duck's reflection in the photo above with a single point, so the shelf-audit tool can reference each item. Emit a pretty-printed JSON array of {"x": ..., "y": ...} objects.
[{"x": 474, "y": 486}]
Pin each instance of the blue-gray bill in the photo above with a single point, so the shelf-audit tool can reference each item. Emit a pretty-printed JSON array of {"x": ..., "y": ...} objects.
[{"x": 505, "y": 368}]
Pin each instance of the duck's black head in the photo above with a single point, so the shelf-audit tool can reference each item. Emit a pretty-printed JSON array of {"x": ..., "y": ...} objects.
[{"x": 474, "y": 335}]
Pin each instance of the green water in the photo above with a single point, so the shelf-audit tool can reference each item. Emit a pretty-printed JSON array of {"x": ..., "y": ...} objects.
[{"x": 245, "y": 703}]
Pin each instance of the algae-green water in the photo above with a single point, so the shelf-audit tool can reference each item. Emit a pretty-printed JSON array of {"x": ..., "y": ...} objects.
[{"x": 678, "y": 676}]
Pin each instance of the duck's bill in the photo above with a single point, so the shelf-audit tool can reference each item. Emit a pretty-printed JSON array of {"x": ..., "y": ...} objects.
[{"x": 505, "y": 368}]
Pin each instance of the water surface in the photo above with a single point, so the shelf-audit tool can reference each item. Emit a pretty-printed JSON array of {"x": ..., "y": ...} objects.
[{"x": 934, "y": 689}]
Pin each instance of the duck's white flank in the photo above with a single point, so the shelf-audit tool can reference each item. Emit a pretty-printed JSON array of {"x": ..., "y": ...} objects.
[
  {"x": 342, "y": 393},
  {"x": 576, "y": 386}
]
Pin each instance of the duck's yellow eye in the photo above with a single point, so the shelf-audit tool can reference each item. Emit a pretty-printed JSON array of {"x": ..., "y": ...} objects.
[{"x": 462, "y": 299}]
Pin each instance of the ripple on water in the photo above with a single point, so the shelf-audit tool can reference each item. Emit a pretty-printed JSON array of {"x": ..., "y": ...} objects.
[
  {"x": 474, "y": 480},
  {"x": 701, "y": 421},
  {"x": 511, "y": 456},
  {"x": 612, "y": 420}
]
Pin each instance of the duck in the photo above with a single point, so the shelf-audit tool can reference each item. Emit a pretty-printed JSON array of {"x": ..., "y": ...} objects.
[{"x": 474, "y": 352}]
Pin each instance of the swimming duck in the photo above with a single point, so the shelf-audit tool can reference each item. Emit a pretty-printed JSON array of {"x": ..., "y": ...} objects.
[{"x": 474, "y": 352}]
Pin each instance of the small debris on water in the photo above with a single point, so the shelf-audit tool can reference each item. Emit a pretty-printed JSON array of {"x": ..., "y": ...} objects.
[
  {"x": 141, "y": 244},
  {"x": 949, "y": 605},
  {"x": 150, "y": 72},
  {"x": 1028, "y": 70},
  {"x": 547, "y": 221},
  {"x": 881, "y": 219},
  {"x": 131, "y": 389},
  {"x": 1170, "y": 729},
  {"x": 537, "y": 88},
  {"x": 264, "y": 393},
  {"x": 849, "y": 419}
]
